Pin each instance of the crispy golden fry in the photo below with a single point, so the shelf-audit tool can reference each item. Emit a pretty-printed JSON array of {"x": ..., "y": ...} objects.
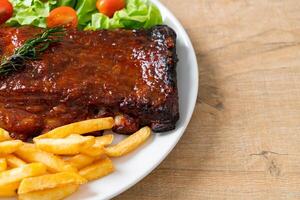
[
  {"x": 9, "y": 190},
  {"x": 90, "y": 157},
  {"x": 57, "y": 193},
  {"x": 4, "y": 135},
  {"x": 94, "y": 151},
  {"x": 3, "y": 164},
  {"x": 129, "y": 144},
  {"x": 14, "y": 161},
  {"x": 97, "y": 149},
  {"x": 30, "y": 153},
  {"x": 80, "y": 161},
  {"x": 17, "y": 174},
  {"x": 80, "y": 128},
  {"x": 105, "y": 140},
  {"x": 50, "y": 181},
  {"x": 97, "y": 170},
  {"x": 70, "y": 145},
  {"x": 8, "y": 147}
]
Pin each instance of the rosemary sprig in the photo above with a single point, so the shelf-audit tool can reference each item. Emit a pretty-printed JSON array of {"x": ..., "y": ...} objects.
[{"x": 31, "y": 50}]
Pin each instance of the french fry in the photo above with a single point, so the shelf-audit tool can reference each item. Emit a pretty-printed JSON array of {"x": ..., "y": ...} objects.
[
  {"x": 105, "y": 140},
  {"x": 30, "y": 153},
  {"x": 8, "y": 147},
  {"x": 90, "y": 159},
  {"x": 3, "y": 164},
  {"x": 14, "y": 161},
  {"x": 70, "y": 145},
  {"x": 80, "y": 161},
  {"x": 57, "y": 193},
  {"x": 80, "y": 128},
  {"x": 9, "y": 190},
  {"x": 17, "y": 174},
  {"x": 97, "y": 170},
  {"x": 4, "y": 135},
  {"x": 50, "y": 181},
  {"x": 94, "y": 151},
  {"x": 97, "y": 149},
  {"x": 129, "y": 144}
]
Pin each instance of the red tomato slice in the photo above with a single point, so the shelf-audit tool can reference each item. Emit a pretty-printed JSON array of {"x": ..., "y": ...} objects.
[
  {"x": 109, "y": 7},
  {"x": 6, "y": 11},
  {"x": 62, "y": 16}
]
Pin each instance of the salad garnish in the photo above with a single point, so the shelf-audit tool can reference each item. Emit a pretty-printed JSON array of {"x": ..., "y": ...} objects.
[
  {"x": 6, "y": 11},
  {"x": 91, "y": 14}
]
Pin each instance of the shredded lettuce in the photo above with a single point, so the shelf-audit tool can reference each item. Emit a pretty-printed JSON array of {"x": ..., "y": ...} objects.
[{"x": 137, "y": 14}]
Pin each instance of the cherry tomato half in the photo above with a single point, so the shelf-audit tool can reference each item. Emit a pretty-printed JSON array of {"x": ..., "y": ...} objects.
[
  {"x": 109, "y": 7},
  {"x": 62, "y": 16},
  {"x": 6, "y": 11}
]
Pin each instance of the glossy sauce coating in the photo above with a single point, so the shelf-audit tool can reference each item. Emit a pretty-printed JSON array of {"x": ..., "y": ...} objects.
[{"x": 88, "y": 75}]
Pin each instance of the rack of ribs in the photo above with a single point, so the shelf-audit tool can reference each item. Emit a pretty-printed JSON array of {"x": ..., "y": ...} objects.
[{"x": 127, "y": 74}]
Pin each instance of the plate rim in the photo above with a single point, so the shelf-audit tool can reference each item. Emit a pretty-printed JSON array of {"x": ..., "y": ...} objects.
[{"x": 189, "y": 117}]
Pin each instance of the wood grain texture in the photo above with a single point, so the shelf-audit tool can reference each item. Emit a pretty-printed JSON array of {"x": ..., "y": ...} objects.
[{"x": 244, "y": 139}]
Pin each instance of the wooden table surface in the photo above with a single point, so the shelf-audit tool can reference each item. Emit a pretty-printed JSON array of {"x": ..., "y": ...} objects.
[{"x": 244, "y": 139}]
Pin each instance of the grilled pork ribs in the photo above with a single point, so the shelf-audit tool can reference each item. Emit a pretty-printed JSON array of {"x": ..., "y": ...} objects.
[{"x": 90, "y": 74}]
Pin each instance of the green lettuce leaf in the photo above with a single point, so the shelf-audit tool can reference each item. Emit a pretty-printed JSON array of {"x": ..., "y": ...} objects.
[
  {"x": 98, "y": 20},
  {"x": 30, "y": 12},
  {"x": 137, "y": 14},
  {"x": 71, "y": 3},
  {"x": 85, "y": 9}
]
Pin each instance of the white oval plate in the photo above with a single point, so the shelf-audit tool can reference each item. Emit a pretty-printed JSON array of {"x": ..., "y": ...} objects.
[{"x": 134, "y": 167}]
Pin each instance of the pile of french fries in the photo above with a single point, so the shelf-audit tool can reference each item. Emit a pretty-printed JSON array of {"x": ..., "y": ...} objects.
[{"x": 58, "y": 162}]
